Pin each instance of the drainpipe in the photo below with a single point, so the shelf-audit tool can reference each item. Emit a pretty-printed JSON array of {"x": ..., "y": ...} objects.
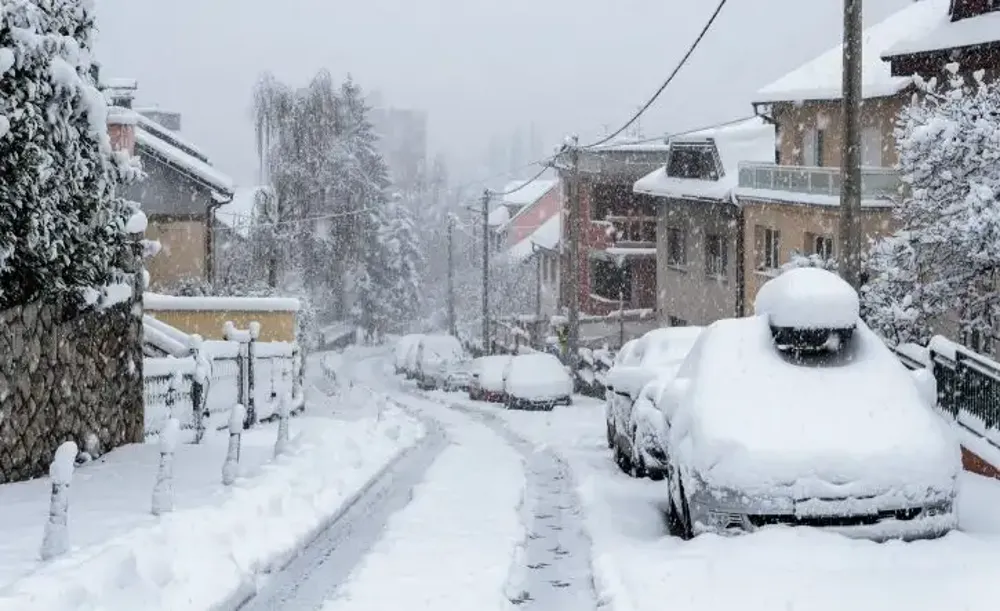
[{"x": 210, "y": 239}]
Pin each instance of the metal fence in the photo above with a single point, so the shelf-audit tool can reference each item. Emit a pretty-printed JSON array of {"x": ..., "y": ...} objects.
[
  {"x": 200, "y": 389},
  {"x": 968, "y": 384}
]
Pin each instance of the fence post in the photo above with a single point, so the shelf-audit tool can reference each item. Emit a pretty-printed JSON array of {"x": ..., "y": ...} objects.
[
  {"x": 297, "y": 371},
  {"x": 199, "y": 387},
  {"x": 231, "y": 466},
  {"x": 251, "y": 374},
  {"x": 55, "y": 542},
  {"x": 163, "y": 491},
  {"x": 231, "y": 333}
]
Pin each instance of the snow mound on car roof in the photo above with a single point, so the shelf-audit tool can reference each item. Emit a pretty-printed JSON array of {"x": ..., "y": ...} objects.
[{"x": 808, "y": 298}]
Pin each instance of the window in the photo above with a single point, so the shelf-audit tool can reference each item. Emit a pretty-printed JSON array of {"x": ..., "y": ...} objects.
[
  {"x": 610, "y": 280},
  {"x": 692, "y": 162},
  {"x": 676, "y": 246},
  {"x": 677, "y": 322},
  {"x": 820, "y": 245},
  {"x": 812, "y": 147},
  {"x": 716, "y": 256},
  {"x": 871, "y": 147},
  {"x": 768, "y": 248}
]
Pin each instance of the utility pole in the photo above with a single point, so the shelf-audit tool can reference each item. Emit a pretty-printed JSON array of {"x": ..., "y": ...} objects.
[
  {"x": 486, "y": 272},
  {"x": 621, "y": 319},
  {"x": 850, "y": 191},
  {"x": 451, "y": 276},
  {"x": 540, "y": 254},
  {"x": 573, "y": 337}
]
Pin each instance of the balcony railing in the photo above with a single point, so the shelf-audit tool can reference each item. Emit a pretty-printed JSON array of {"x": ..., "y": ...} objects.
[
  {"x": 876, "y": 183},
  {"x": 633, "y": 232}
]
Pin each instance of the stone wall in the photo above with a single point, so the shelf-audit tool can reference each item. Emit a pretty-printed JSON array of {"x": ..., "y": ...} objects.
[{"x": 65, "y": 379}]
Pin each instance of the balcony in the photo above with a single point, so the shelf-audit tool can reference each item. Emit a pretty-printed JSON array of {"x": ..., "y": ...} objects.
[
  {"x": 632, "y": 232},
  {"x": 876, "y": 183}
]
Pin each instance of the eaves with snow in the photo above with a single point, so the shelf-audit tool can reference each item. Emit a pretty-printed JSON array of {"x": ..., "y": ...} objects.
[
  {"x": 546, "y": 237},
  {"x": 724, "y": 148},
  {"x": 169, "y": 147},
  {"x": 948, "y": 35},
  {"x": 821, "y": 78}
]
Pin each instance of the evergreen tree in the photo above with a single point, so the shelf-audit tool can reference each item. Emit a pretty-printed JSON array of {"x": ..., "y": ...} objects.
[
  {"x": 945, "y": 259},
  {"x": 62, "y": 222}
]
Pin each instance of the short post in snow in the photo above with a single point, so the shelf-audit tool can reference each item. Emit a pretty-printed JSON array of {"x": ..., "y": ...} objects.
[
  {"x": 281, "y": 444},
  {"x": 254, "y": 333},
  {"x": 296, "y": 374},
  {"x": 244, "y": 362},
  {"x": 199, "y": 386},
  {"x": 232, "y": 464},
  {"x": 56, "y": 539},
  {"x": 172, "y": 384},
  {"x": 163, "y": 491}
]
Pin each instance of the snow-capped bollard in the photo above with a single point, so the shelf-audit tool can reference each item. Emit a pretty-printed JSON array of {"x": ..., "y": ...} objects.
[
  {"x": 232, "y": 463},
  {"x": 281, "y": 444},
  {"x": 163, "y": 491},
  {"x": 56, "y": 539}
]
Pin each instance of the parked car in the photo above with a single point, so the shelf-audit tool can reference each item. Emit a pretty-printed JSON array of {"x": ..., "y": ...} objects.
[
  {"x": 436, "y": 354},
  {"x": 458, "y": 376},
  {"x": 486, "y": 383},
  {"x": 656, "y": 354},
  {"x": 537, "y": 382},
  {"x": 410, "y": 360},
  {"x": 802, "y": 416},
  {"x": 401, "y": 349}
]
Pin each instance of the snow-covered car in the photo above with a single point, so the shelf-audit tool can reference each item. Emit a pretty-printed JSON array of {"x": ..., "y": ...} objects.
[
  {"x": 536, "y": 382},
  {"x": 436, "y": 355},
  {"x": 401, "y": 349},
  {"x": 656, "y": 354},
  {"x": 458, "y": 376},
  {"x": 410, "y": 360},
  {"x": 802, "y": 416},
  {"x": 486, "y": 383}
]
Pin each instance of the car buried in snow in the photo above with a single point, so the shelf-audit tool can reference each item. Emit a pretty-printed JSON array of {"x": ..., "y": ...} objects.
[
  {"x": 401, "y": 351},
  {"x": 536, "y": 382},
  {"x": 435, "y": 358},
  {"x": 654, "y": 357},
  {"x": 802, "y": 416},
  {"x": 486, "y": 383}
]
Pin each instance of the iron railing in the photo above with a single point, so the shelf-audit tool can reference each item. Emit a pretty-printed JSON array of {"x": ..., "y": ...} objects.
[{"x": 876, "y": 183}]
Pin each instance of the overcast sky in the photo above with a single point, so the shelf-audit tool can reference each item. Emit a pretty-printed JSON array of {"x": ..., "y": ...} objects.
[{"x": 480, "y": 68}]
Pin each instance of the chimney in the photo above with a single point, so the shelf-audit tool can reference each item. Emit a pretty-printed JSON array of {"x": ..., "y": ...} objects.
[
  {"x": 166, "y": 118},
  {"x": 121, "y": 118}
]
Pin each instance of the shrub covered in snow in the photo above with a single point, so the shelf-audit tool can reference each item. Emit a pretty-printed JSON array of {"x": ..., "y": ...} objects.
[
  {"x": 62, "y": 222},
  {"x": 946, "y": 256}
]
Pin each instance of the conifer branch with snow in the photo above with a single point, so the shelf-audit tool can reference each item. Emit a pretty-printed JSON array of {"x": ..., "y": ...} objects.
[{"x": 945, "y": 259}]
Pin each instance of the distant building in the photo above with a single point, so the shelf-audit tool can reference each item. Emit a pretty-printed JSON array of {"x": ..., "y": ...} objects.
[
  {"x": 403, "y": 143},
  {"x": 180, "y": 193}
]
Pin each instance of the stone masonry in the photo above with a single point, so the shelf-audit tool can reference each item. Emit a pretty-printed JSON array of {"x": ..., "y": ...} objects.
[{"x": 67, "y": 379}]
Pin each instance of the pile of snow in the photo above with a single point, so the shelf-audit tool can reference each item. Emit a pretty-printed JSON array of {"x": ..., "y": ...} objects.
[
  {"x": 212, "y": 549},
  {"x": 752, "y": 419},
  {"x": 808, "y": 298},
  {"x": 537, "y": 377}
]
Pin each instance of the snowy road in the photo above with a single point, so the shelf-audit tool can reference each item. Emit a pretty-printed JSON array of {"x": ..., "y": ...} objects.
[{"x": 473, "y": 517}]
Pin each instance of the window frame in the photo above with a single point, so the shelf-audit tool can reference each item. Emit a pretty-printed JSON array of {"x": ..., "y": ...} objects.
[
  {"x": 627, "y": 277},
  {"x": 676, "y": 235},
  {"x": 716, "y": 265},
  {"x": 769, "y": 257}
]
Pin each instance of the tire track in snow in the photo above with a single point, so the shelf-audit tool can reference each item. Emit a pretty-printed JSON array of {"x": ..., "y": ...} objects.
[
  {"x": 554, "y": 573},
  {"x": 314, "y": 576}
]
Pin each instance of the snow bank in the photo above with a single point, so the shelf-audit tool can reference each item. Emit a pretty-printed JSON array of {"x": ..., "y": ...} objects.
[
  {"x": 850, "y": 428},
  {"x": 808, "y": 298},
  {"x": 155, "y": 301},
  {"x": 208, "y": 557}
]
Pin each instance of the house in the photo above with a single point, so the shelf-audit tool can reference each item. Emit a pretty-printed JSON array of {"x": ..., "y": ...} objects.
[
  {"x": 535, "y": 234},
  {"x": 967, "y": 33},
  {"x": 699, "y": 239},
  {"x": 179, "y": 194},
  {"x": 617, "y": 256},
  {"x": 517, "y": 196},
  {"x": 792, "y": 205}
]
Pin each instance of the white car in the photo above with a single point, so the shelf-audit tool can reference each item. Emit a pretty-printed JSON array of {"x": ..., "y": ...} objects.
[
  {"x": 655, "y": 355},
  {"x": 401, "y": 349},
  {"x": 802, "y": 416},
  {"x": 486, "y": 383},
  {"x": 436, "y": 355},
  {"x": 537, "y": 382}
]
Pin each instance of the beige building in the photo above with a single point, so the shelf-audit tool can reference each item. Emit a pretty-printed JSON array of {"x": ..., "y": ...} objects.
[{"x": 700, "y": 238}]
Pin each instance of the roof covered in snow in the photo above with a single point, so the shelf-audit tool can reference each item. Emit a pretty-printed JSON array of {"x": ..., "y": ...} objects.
[
  {"x": 547, "y": 235},
  {"x": 196, "y": 168},
  {"x": 530, "y": 193},
  {"x": 172, "y": 137},
  {"x": 750, "y": 140},
  {"x": 820, "y": 79},
  {"x": 948, "y": 34}
]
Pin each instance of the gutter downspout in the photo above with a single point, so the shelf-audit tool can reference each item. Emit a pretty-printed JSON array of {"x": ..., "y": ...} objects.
[{"x": 210, "y": 271}]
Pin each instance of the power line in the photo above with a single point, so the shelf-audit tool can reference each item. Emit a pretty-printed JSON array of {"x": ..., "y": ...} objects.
[
  {"x": 523, "y": 185},
  {"x": 663, "y": 87}
]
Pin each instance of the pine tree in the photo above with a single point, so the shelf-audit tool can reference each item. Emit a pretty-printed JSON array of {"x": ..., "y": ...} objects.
[
  {"x": 945, "y": 259},
  {"x": 62, "y": 222}
]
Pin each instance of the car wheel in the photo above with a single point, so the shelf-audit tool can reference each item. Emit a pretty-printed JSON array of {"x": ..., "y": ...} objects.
[
  {"x": 637, "y": 466},
  {"x": 686, "y": 530},
  {"x": 622, "y": 459},
  {"x": 610, "y": 435}
]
